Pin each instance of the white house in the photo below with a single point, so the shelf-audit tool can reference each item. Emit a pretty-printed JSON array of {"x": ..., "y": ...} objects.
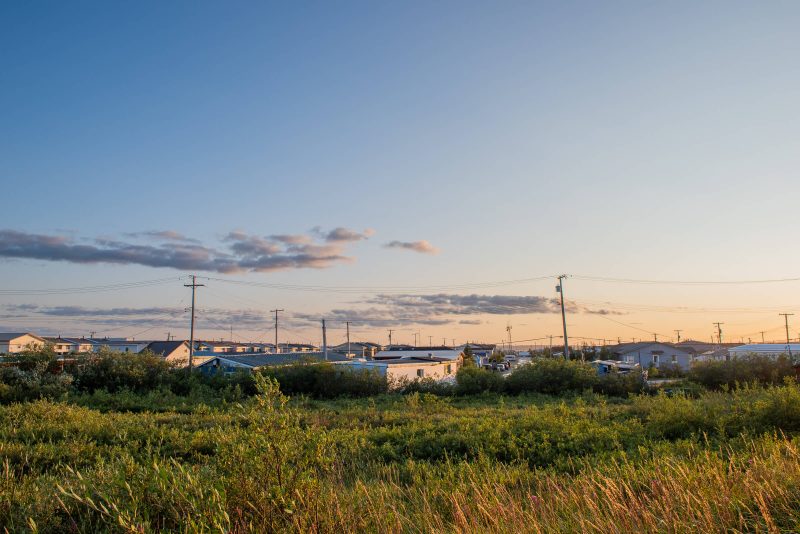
[
  {"x": 119, "y": 345},
  {"x": 771, "y": 350},
  {"x": 407, "y": 369},
  {"x": 435, "y": 353},
  {"x": 11, "y": 342}
]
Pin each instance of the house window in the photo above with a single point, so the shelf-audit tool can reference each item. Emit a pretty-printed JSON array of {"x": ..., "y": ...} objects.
[
  {"x": 448, "y": 369},
  {"x": 674, "y": 358},
  {"x": 655, "y": 359},
  {"x": 420, "y": 372},
  {"x": 629, "y": 358}
]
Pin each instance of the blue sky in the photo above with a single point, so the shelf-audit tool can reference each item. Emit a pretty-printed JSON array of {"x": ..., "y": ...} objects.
[{"x": 521, "y": 139}]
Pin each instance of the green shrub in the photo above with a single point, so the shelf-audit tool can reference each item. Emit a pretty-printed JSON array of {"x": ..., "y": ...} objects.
[
  {"x": 472, "y": 380},
  {"x": 750, "y": 369},
  {"x": 326, "y": 380},
  {"x": 620, "y": 385},
  {"x": 114, "y": 371},
  {"x": 429, "y": 385},
  {"x": 552, "y": 376},
  {"x": 32, "y": 375}
]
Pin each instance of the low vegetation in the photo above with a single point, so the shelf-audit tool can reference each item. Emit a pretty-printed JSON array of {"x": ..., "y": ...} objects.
[{"x": 116, "y": 444}]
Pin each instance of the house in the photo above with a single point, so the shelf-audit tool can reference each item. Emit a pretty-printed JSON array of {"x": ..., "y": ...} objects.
[
  {"x": 359, "y": 349},
  {"x": 229, "y": 363},
  {"x": 771, "y": 350},
  {"x": 704, "y": 350},
  {"x": 399, "y": 370},
  {"x": 214, "y": 347},
  {"x": 297, "y": 347},
  {"x": 12, "y": 342},
  {"x": 70, "y": 345},
  {"x": 119, "y": 345},
  {"x": 426, "y": 353},
  {"x": 652, "y": 353},
  {"x": 176, "y": 352}
]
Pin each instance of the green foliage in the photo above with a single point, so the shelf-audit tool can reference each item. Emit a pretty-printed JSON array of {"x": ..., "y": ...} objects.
[
  {"x": 326, "y": 380},
  {"x": 746, "y": 370},
  {"x": 33, "y": 375},
  {"x": 114, "y": 371},
  {"x": 469, "y": 357},
  {"x": 406, "y": 463},
  {"x": 552, "y": 376},
  {"x": 472, "y": 380},
  {"x": 619, "y": 384},
  {"x": 430, "y": 386}
]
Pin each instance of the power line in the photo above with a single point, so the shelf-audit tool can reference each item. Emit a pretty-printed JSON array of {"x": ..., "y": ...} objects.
[
  {"x": 90, "y": 289},
  {"x": 683, "y": 282}
]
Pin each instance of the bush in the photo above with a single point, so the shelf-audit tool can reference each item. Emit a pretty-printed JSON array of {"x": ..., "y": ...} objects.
[
  {"x": 32, "y": 375},
  {"x": 472, "y": 380},
  {"x": 429, "y": 386},
  {"x": 620, "y": 385},
  {"x": 751, "y": 369},
  {"x": 326, "y": 380},
  {"x": 552, "y": 376},
  {"x": 114, "y": 371}
]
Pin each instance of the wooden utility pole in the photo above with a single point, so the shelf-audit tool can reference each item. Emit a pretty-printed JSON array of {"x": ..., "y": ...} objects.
[
  {"x": 719, "y": 332},
  {"x": 560, "y": 289},
  {"x": 277, "y": 349},
  {"x": 786, "y": 320},
  {"x": 194, "y": 285}
]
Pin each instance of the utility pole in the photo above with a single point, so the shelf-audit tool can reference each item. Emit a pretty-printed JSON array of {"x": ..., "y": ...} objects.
[
  {"x": 324, "y": 341},
  {"x": 194, "y": 285},
  {"x": 444, "y": 342},
  {"x": 416, "y": 336},
  {"x": 560, "y": 289},
  {"x": 169, "y": 336},
  {"x": 277, "y": 349},
  {"x": 390, "y": 337},
  {"x": 347, "y": 324},
  {"x": 762, "y": 337},
  {"x": 786, "y": 320},
  {"x": 91, "y": 334},
  {"x": 655, "y": 337},
  {"x": 430, "y": 341},
  {"x": 678, "y": 332},
  {"x": 508, "y": 329},
  {"x": 719, "y": 332},
  {"x": 454, "y": 343}
]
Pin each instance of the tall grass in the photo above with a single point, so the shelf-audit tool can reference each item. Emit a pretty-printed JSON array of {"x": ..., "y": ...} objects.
[{"x": 723, "y": 462}]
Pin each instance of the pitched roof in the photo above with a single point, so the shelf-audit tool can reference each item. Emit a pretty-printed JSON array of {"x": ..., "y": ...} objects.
[
  {"x": 165, "y": 348},
  {"x": 11, "y": 336},
  {"x": 266, "y": 360}
]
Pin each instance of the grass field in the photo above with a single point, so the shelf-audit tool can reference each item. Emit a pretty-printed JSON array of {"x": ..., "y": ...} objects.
[{"x": 725, "y": 461}]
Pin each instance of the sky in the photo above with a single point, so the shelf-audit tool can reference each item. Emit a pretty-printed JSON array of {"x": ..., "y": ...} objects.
[{"x": 425, "y": 167}]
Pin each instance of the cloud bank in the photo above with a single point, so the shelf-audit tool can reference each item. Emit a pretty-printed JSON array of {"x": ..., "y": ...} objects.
[
  {"x": 383, "y": 311},
  {"x": 241, "y": 253}
]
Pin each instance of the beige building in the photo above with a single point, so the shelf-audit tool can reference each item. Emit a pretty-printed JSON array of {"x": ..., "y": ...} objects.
[
  {"x": 11, "y": 342},
  {"x": 408, "y": 369}
]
